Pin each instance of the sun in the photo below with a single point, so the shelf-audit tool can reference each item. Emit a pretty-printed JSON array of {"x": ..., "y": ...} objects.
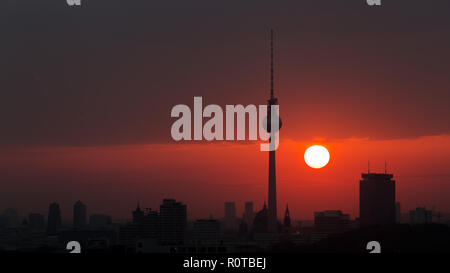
[{"x": 317, "y": 156}]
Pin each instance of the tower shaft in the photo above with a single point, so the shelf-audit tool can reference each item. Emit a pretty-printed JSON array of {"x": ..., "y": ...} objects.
[
  {"x": 272, "y": 189},
  {"x": 272, "y": 213}
]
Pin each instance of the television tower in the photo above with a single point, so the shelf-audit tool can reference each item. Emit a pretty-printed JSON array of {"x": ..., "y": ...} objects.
[{"x": 272, "y": 211}]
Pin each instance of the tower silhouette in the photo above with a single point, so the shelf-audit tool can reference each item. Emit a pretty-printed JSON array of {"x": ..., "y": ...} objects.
[
  {"x": 376, "y": 199},
  {"x": 287, "y": 218},
  {"x": 272, "y": 210},
  {"x": 79, "y": 215},
  {"x": 54, "y": 219}
]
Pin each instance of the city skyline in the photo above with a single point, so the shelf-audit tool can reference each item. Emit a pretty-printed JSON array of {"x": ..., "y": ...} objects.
[
  {"x": 168, "y": 230},
  {"x": 371, "y": 195},
  {"x": 87, "y": 116}
]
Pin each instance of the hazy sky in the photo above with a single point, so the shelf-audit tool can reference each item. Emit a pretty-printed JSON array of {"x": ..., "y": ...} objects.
[
  {"x": 110, "y": 71},
  {"x": 106, "y": 75}
]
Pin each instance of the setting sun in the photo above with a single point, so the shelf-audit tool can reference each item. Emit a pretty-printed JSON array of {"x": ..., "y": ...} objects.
[{"x": 317, "y": 156}]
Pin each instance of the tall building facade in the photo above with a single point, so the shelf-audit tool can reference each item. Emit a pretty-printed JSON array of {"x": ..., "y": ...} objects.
[
  {"x": 173, "y": 219},
  {"x": 149, "y": 225},
  {"x": 377, "y": 199},
  {"x": 145, "y": 225},
  {"x": 54, "y": 219},
  {"x": 230, "y": 220},
  {"x": 9, "y": 218},
  {"x": 79, "y": 215},
  {"x": 249, "y": 214}
]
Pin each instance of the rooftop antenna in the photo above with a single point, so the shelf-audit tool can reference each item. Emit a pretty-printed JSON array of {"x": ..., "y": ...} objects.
[
  {"x": 271, "y": 64},
  {"x": 368, "y": 166}
]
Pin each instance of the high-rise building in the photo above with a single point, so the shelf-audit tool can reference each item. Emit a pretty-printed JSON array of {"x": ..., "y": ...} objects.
[
  {"x": 36, "y": 222},
  {"x": 248, "y": 215},
  {"x": 230, "y": 221},
  {"x": 376, "y": 199},
  {"x": 420, "y": 216},
  {"x": 9, "y": 218},
  {"x": 54, "y": 219},
  {"x": 79, "y": 215},
  {"x": 149, "y": 224},
  {"x": 145, "y": 225},
  {"x": 173, "y": 220}
]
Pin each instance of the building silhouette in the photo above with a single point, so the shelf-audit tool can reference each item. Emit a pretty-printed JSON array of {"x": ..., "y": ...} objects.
[
  {"x": 149, "y": 226},
  {"x": 248, "y": 215},
  {"x": 377, "y": 199},
  {"x": 230, "y": 220},
  {"x": 36, "y": 222},
  {"x": 243, "y": 229},
  {"x": 206, "y": 231},
  {"x": 100, "y": 222},
  {"x": 173, "y": 219},
  {"x": 331, "y": 221},
  {"x": 287, "y": 218},
  {"x": 260, "y": 224},
  {"x": 420, "y": 216},
  {"x": 138, "y": 214},
  {"x": 398, "y": 212},
  {"x": 79, "y": 216},
  {"x": 9, "y": 218},
  {"x": 54, "y": 219},
  {"x": 145, "y": 225}
]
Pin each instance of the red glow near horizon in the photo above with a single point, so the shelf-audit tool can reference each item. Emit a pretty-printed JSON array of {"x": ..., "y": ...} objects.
[{"x": 111, "y": 179}]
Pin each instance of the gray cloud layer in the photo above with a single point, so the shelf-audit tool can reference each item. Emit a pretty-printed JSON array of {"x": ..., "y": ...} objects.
[{"x": 110, "y": 71}]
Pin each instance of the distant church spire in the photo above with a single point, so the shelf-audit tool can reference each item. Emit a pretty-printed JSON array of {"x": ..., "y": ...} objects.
[{"x": 287, "y": 218}]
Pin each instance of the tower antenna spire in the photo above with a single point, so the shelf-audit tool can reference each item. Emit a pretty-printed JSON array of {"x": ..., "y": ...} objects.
[{"x": 271, "y": 64}]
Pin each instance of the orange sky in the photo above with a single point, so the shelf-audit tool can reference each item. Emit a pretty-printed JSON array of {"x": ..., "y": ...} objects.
[{"x": 111, "y": 179}]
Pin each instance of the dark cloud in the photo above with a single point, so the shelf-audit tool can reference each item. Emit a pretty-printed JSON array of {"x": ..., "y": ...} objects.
[{"x": 110, "y": 71}]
